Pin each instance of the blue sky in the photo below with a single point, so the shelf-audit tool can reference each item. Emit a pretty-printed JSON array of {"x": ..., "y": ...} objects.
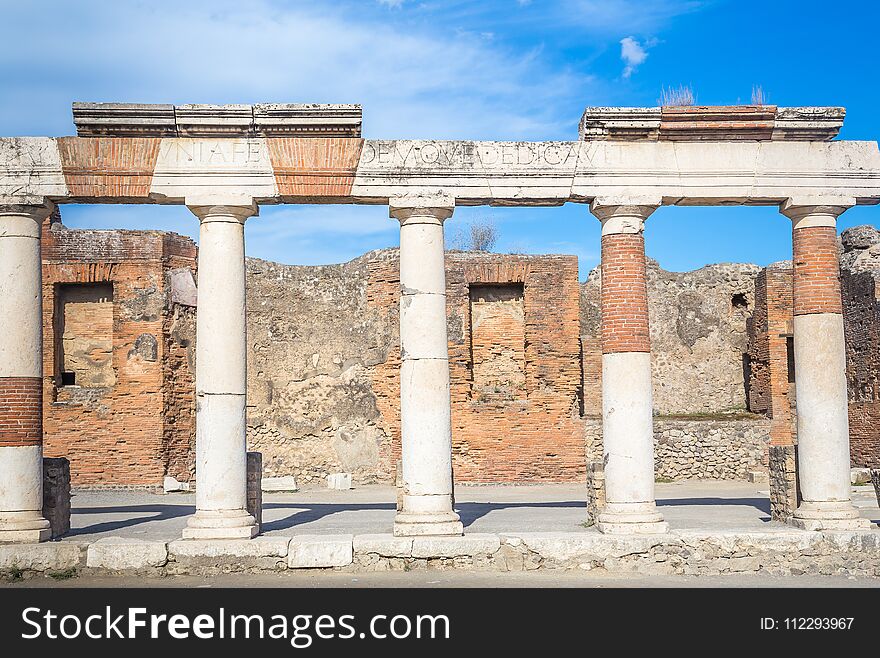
[{"x": 495, "y": 69}]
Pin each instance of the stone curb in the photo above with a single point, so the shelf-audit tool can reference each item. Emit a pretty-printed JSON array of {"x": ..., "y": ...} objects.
[
  {"x": 320, "y": 551},
  {"x": 119, "y": 553},
  {"x": 775, "y": 550}
]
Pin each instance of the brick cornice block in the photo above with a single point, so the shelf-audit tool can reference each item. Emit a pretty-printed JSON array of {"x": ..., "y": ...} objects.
[
  {"x": 723, "y": 122},
  {"x": 711, "y": 123}
]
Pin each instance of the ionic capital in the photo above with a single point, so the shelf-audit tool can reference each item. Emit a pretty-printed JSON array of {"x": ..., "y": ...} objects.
[
  {"x": 810, "y": 212},
  {"x": 623, "y": 215},
  {"x": 421, "y": 208}
]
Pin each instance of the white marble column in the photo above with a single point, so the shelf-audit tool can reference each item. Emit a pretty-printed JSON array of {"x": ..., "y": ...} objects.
[
  {"x": 627, "y": 405},
  {"x": 425, "y": 417},
  {"x": 823, "y": 451},
  {"x": 21, "y": 375},
  {"x": 221, "y": 377}
]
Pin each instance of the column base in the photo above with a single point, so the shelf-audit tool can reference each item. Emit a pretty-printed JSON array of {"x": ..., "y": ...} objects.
[
  {"x": 25, "y": 536},
  {"x": 221, "y": 524},
  {"x": 24, "y": 528},
  {"x": 631, "y": 519},
  {"x": 437, "y": 524},
  {"x": 831, "y": 515}
]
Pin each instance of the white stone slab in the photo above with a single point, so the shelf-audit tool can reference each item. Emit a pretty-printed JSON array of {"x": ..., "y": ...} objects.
[
  {"x": 125, "y": 553},
  {"x": 320, "y": 551},
  {"x": 284, "y": 483},
  {"x": 30, "y": 170},
  {"x": 213, "y": 548},
  {"x": 170, "y": 484},
  {"x": 464, "y": 546},
  {"x": 564, "y": 546},
  {"x": 41, "y": 557},
  {"x": 340, "y": 481},
  {"x": 197, "y": 170},
  {"x": 384, "y": 545}
]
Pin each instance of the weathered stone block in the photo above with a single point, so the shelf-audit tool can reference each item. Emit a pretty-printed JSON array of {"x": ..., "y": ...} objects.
[
  {"x": 384, "y": 545},
  {"x": 54, "y": 556},
  {"x": 254, "y": 487},
  {"x": 56, "y": 494},
  {"x": 784, "y": 488},
  {"x": 171, "y": 485},
  {"x": 450, "y": 547},
  {"x": 320, "y": 551},
  {"x": 284, "y": 483},
  {"x": 340, "y": 481},
  {"x": 118, "y": 553},
  {"x": 239, "y": 548},
  {"x": 595, "y": 490}
]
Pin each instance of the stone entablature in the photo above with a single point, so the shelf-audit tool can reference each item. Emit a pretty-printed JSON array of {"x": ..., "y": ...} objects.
[
  {"x": 713, "y": 123},
  {"x": 271, "y": 154},
  {"x": 259, "y": 120}
]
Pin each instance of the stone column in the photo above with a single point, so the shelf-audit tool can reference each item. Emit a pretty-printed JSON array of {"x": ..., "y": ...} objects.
[
  {"x": 820, "y": 369},
  {"x": 221, "y": 377},
  {"x": 21, "y": 375},
  {"x": 627, "y": 406},
  {"x": 425, "y": 417}
]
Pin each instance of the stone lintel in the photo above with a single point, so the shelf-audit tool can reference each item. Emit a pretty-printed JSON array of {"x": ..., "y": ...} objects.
[{"x": 194, "y": 120}]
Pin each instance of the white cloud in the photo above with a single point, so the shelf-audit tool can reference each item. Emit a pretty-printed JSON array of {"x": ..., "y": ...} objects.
[
  {"x": 632, "y": 53},
  {"x": 393, "y": 4}
]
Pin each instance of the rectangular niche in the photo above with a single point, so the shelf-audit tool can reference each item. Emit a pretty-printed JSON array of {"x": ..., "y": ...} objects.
[
  {"x": 497, "y": 341},
  {"x": 84, "y": 335}
]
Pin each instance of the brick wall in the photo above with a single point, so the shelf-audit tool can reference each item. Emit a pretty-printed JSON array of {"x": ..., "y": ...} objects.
[
  {"x": 771, "y": 388},
  {"x": 527, "y": 433},
  {"x": 115, "y": 429},
  {"x": 771, "y": 385}
]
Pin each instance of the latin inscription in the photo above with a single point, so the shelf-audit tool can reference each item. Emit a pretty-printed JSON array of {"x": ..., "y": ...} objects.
[
  {"x": 213, "y": 152},
  {"x": 394, "y": 153}
]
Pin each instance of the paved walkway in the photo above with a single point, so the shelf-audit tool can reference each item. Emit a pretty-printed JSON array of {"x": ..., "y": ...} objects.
[{"x": 714, "y": 505}]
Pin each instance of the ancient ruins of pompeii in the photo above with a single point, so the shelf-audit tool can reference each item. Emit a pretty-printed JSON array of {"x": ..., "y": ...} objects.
[{"x": 135, "y": 360}]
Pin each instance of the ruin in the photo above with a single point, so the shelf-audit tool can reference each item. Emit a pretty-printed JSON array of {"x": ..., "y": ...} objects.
[{"x": 224, "y": 161}]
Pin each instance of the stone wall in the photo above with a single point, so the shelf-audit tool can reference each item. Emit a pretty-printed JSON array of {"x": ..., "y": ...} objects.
[
  {"x": 108, "y": 405},
  {"x": 861, "y": 313},
  {"x": 698, "y": 336},
  {"x": 324, "y": 368},
  {"x": 691, "y": 449},
  {"x": 784, "y": 488},
  {"x": 709, "y": 449}
]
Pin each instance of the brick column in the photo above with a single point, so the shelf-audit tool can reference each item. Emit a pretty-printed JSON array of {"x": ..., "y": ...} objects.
[
  {"x": 21, "y": 375},
  {"x": 221, "y": 377},
  {"x": 820, "y": 367},
  {"x": 627, "y": 414},
  {"x": 425, "y": 415}
]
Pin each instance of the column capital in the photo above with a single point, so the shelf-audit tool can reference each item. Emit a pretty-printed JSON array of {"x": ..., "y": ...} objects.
[
  {"x": 223, "y": 212},
  {"x": 36, "y": 211},
  {"x": 807, "y": 212},
  {"x": 434, "y": 207},
  {"x": 623, "y": 215},
  {"x": 24, "y": 220}
]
